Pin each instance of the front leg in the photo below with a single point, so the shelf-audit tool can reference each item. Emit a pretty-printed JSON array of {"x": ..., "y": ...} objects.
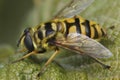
[
  {"x": 30, "y": 53},
  {"x": 25, "y": 56}
]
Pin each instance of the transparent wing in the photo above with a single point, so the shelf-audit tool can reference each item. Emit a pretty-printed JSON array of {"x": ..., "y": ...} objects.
[
  {"x": 82, "y": 44},
  {"x": 73, "y": 8}
]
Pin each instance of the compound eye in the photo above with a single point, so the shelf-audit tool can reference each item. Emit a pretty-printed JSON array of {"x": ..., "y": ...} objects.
[{"x": 28, "y": 42}]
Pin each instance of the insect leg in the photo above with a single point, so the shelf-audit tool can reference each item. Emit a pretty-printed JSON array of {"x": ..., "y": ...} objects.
[
  {"x": 47, "y": 63},
  {"x": 98, "y": 61},
  {"x": 25, "y": 56}
]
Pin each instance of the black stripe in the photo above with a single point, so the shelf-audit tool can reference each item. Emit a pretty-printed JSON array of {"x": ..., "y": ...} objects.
[
  {"x": 87, "y": 27},
  {"x": 48, "y": 28},
  {"x": 68, "y": 25},
  {"x": 95, "y": 32},
  {"x": 40, "y": 35},
  {"x": 77, "y": 23}
]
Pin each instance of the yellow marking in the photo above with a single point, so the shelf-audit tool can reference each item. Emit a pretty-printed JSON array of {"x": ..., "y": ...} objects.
[
  {"x": 63, "y": 27},
  {"x": 45, "y": 45},
  {"x": 83, "y": 29},
  {"x": 37, "y": 40},
  {"x": 56, "y": 20},
  {"x": 42, "y": 26},
  {"x": 54, "y": 27},
  {"x": 32, "y": 29},
  {"x": 70, "y": 20},
  {"x": 43, "y": 31},
  {"x": 92, "y": 29},
  {"x": 92, "y": 23},
  {"x": 34, "y": 44},
  {"x": 92, "y": 32},
  {"x": 99, "y": 30},
  {"x": 72, "y": 29},
  {"x": 81, "y": 19}
]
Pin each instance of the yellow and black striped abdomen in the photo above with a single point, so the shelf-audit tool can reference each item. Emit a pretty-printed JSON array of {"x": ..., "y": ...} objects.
[{"x": 80, "y": 25}]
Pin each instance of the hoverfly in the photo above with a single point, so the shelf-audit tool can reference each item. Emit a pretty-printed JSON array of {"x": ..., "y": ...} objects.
[{"x": 67, "y": 31}]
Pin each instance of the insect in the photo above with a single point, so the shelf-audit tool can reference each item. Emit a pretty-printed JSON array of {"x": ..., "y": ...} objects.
[{"x": 66, "y": 31}]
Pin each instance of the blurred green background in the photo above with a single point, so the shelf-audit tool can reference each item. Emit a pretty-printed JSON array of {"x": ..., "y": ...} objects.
[
  {"x": 12, "y": 16},
  {"x": 16, "y": 15}
]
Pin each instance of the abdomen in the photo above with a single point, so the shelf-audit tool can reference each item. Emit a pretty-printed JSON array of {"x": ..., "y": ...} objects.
[{"x": 79, "y": 25}]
